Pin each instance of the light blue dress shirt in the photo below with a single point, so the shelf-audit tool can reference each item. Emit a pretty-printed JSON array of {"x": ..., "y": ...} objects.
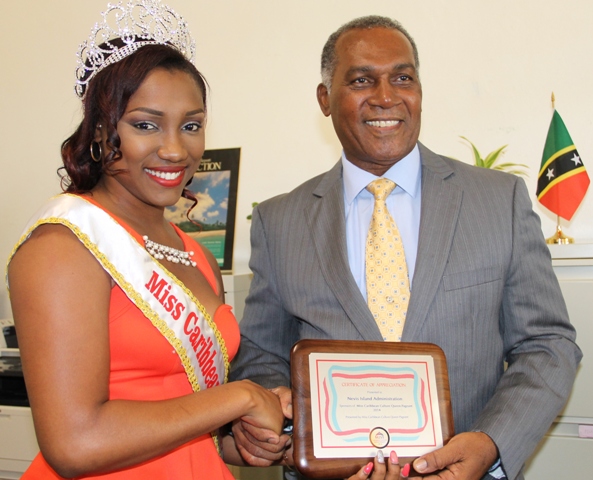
[{"x": 403, "y": 203}]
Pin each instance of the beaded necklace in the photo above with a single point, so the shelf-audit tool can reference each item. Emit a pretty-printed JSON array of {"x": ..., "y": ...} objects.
[{"x": 160, "y": 252}]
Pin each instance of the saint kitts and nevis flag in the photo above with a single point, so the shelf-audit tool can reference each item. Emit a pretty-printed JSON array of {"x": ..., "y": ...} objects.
[{"x": 562, "y": 180}]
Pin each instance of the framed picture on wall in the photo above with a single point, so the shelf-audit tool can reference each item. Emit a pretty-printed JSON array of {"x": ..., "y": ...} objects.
[{"x": 212, "y": 221}]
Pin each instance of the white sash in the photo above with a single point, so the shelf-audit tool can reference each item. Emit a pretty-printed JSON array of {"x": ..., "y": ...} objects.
[{"x": 163, "y": 299}]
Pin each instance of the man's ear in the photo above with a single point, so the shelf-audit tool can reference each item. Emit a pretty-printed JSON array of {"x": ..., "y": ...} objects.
[{"x": 323, "y": 99}]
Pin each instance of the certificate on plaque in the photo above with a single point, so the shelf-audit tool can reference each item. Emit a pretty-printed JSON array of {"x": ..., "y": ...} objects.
[{"x": 352, "y": 398}]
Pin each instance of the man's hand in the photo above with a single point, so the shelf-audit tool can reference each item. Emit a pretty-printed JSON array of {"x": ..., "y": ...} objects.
[
  {"x": 468, "y": 456},
  {"x": 285, "y": 396},
  {"x": 262, "y": 447},
  {"x": 259, "y": 447}
]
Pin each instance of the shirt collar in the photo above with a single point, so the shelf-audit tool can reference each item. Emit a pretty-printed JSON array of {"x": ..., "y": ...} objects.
[{"x": 405, "y": 174}]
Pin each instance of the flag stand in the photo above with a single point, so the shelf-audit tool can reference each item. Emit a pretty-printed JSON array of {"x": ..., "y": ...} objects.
[
  {"x": 559, "y": 238},
  {"x": 562, "y": 181}
]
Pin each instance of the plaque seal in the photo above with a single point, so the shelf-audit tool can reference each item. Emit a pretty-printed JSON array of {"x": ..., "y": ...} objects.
[{"x": 379, "y": 437}]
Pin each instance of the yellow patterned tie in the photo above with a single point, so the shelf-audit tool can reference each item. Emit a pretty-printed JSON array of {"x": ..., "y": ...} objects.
[{"x": 388, "y": 286}]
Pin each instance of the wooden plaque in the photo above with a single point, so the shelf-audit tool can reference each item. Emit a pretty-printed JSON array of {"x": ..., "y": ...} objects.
[{"x": 345, "y": 360}]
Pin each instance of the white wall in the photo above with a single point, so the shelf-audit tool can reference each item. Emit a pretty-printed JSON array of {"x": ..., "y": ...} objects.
[{"x": 488, "y": 69}]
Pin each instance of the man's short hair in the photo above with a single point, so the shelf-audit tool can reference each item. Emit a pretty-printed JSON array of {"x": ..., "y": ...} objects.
[{"x": 329, "y": 58}]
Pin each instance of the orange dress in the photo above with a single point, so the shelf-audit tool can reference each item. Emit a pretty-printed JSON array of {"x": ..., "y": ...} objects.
[{"x": 144, "y": 366}]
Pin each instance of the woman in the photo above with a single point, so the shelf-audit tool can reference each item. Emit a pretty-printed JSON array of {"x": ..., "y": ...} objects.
[
  {"x": 126, "y": 340},
  {"x": 114, "y": 339}
]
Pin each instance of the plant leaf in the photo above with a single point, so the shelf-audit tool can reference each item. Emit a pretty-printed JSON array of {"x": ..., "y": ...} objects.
[
  {"x": 493, "y": 156},
  {"x": 477, "y": 157},
  {"x": 520, "y": 173},
  {"x": 502, "y": 166},
  {"x": 512, "y": 168}
]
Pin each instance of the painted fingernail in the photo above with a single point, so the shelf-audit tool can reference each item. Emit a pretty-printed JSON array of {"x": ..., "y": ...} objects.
[
  {"x": 406, "y": 470},
  {"x": 368, "y": 468},
  {"x": 393, "y": 457},
  {"x": 380, "y": 457}
]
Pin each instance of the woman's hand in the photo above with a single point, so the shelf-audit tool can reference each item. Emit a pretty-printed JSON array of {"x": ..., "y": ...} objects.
[
  {"x": 257, "y": 433},
  {"x": 381, "y": 469},
  {"x": 265, "y": 411},
  {"x": 261, "y": 447}
]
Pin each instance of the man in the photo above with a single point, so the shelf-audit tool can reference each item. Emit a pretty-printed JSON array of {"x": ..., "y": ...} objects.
[{"x": 481, "y": 281}]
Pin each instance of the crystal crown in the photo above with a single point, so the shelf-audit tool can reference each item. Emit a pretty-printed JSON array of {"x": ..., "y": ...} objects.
[{"x": 136, "y": 23}]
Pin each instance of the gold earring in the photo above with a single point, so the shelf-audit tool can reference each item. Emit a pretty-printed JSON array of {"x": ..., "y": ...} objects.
[{"x": 98, "y": 158}]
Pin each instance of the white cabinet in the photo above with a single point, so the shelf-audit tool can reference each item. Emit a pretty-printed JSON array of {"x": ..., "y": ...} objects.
[
  {"x": 564, "y": 452},
  {"x": 18, "y": 445},
  {"x": 236, "y": 288}
]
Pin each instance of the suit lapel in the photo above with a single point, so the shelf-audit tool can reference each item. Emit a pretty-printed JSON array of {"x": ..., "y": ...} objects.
[
  {"x": 441, "y": 202},
  {"x": 327, "y": 224}
]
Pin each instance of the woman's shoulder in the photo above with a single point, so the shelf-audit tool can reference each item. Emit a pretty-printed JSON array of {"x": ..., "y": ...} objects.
[
  {"x": 47, "y": 239},
  {"x": 52, "y": 241},
  {"x": 53, "y": 252}
]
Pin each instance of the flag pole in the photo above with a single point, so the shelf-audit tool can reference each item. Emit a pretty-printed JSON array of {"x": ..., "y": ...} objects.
[{"x": 559, "y": 238}]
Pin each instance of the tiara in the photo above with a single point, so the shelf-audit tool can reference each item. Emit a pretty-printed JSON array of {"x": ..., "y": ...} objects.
[{"x": 135, "y": 23}]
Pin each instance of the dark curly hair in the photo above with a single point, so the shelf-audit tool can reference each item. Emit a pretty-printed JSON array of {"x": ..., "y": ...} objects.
[{"x": 105, "y": 100}]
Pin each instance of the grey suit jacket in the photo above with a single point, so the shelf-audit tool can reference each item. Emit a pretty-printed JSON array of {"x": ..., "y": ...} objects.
[{"x": 483, "y": 290}]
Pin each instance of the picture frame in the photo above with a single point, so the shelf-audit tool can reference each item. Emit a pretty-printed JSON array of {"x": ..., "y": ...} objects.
[{"x": 212, "y": 221}]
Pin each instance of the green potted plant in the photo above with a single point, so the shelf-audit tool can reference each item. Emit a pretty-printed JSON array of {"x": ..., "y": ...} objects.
[
  {"x": 491, "y": 161},
  {"x": 253, "y": 205}
]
